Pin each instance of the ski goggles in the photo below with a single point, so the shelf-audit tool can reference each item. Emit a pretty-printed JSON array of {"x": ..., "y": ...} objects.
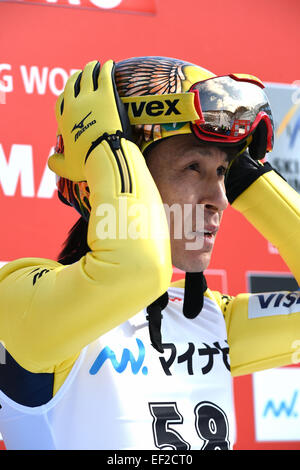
[
  {"x": 225, "y": 109},
  {"x": 230, "y": 108}
]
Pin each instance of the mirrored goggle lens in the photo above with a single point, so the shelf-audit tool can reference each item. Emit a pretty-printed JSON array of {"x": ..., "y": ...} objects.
[{"x": 230, "y": 108}]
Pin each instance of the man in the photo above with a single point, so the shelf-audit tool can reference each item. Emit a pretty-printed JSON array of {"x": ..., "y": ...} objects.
[{"x": 100, "y": 352}]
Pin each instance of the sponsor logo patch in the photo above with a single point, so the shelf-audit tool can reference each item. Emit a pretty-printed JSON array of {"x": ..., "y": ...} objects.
[{"x": 273, "y": 303}]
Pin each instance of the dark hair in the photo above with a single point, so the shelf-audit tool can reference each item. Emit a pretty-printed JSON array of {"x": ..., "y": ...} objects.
[{"x": 75, "y": 246}]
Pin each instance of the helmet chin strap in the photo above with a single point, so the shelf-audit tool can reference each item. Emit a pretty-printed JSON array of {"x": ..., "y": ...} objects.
[
  {"x": 195, "y": 286},
  {"x": 154, "y": 318}
]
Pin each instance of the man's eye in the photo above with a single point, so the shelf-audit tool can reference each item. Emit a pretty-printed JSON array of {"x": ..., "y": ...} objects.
[
  {"x": 221, "y": 170},
  {"x": 193, "y": 166}
]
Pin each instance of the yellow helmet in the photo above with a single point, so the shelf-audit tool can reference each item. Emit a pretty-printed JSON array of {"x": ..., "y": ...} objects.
[
  {"x": 165, "y": 97},
  {"x": 155, "y": 93}
]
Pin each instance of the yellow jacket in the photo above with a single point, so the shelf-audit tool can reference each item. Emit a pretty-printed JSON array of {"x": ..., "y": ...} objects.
[{"x": 49, "y": 312}]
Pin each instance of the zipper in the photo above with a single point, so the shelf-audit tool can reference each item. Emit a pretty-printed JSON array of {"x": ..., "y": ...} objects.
[{"x": 126, "y": 182}]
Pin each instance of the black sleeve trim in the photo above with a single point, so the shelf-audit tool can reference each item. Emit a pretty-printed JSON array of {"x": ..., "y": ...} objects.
[{"x": 24, "y": 387}]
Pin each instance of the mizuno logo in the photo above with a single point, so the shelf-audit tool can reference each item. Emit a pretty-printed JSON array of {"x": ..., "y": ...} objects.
[
  {"x": 38, "y": 274},
  {"x": 153, "y": 108},
  {"x": 81, "y": 123},
  {"x": 127, "y": 357},
  {"x": 82, "y": 127}
]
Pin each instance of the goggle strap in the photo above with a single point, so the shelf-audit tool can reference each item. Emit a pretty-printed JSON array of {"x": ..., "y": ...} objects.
[
  {"x": 197, "y": 106},
  {"x": 161, "y": 109}
]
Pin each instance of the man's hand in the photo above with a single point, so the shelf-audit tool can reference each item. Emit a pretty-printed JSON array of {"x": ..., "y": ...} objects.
[
  {"x": 88, "y": 108},
  {"x": 241, "y": 173}
]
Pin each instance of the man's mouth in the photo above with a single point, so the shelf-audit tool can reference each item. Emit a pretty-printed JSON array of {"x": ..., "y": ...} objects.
[{"x": 209, "y": 232}]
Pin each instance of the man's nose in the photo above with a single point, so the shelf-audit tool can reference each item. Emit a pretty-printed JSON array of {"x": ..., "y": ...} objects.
[{"x": 215, "y": 197}]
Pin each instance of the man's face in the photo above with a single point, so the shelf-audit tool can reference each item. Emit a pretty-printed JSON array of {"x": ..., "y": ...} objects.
[{"x": 188, "y": 174}]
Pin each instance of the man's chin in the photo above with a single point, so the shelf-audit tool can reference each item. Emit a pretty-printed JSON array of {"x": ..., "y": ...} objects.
[{"x": 193, "y": 263}]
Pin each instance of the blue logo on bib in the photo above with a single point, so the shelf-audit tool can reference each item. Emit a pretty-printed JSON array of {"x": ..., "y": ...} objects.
[{"x": 127, "y": 357}]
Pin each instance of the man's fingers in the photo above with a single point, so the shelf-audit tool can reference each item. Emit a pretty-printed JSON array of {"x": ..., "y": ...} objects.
[
  {"x": 56, "y": 163},
  {"x": 69, "y": 92},
  {"x": 105, "y": 79},
  {"x": 59, "y": 106},
  {"x": 90, "y": 77}
]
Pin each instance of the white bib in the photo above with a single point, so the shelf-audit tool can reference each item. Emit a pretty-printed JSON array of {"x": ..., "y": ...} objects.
[{"x": 123, "y": 394}]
